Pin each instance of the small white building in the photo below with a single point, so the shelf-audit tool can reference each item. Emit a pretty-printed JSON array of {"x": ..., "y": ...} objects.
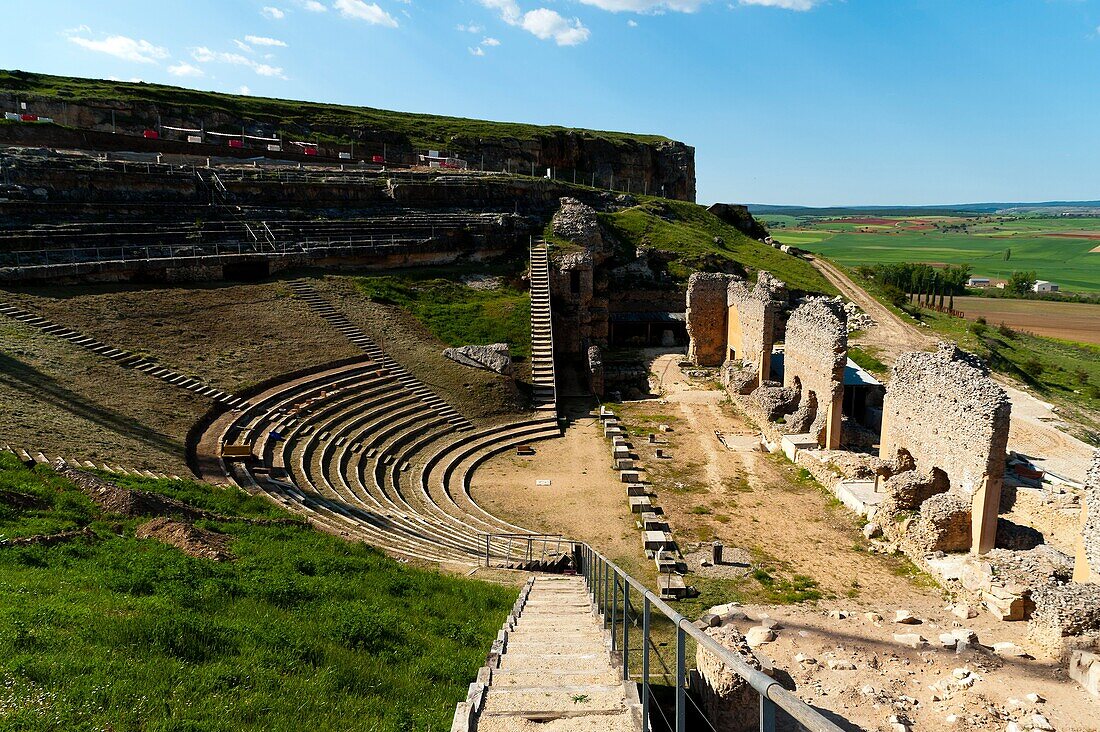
[
  {"x": 978, "y": 282},
  {"x": 1044, "y": 286}
]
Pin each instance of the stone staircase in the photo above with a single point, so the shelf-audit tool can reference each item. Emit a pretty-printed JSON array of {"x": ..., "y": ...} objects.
[
  {"x": 542, "y": 334},
  {"x": 357, "y": 337},
  {"x": 551, "y": 669},
  {"x": 123, "y": 357},
  {"x": 39, "y": 457}
]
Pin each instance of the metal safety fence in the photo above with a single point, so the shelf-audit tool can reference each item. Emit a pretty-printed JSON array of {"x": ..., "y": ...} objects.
[{"x": 637, "y": 634}]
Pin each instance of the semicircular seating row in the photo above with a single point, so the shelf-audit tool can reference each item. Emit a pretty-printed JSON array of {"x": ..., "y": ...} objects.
[{"x": 360, "y": 454}]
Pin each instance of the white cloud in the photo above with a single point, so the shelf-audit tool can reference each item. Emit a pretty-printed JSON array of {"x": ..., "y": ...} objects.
[
  {"x": 469, "y": 28},
  {"x": 244, "y": 90},
  {"x": 127, "y": 49},
  {"x": 273, "y": 13},
  {"x": 313, "y": 6},
  {"x": 242, "y": 45},
  {"x": 479, "y": 51},
  {"x": 647, "y": 6},
  {"x": 545, "y": 23},
  {"x": 632, "y": 23},
  {"x": 490, "y": 41},
  {"x": 800, "y": 5},
  {"x": 369, "y": 12},
  {"x": 185, "y": 69},
  {"x": 203, "y": 55},
  {"x": 264, "y": 41}
]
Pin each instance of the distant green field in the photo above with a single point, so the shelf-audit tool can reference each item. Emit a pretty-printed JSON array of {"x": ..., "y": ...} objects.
[{"x": 1057, "y": 249}]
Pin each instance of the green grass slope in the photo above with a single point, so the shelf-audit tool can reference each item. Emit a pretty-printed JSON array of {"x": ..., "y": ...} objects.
[
  {"x": 690, "y": 231},
  {"x": 423, "y": 130},
  {"x": 301, "y": 631},
  {"x": 455, "y": 312}
]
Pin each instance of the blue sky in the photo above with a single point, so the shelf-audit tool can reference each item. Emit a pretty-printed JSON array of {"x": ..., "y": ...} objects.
[{"x": 816, "y": 102}]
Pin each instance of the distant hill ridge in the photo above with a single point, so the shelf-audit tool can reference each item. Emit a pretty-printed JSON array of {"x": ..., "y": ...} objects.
[
  {"x": 963, "y": 209},
  {"x": 637, "y": 162}
]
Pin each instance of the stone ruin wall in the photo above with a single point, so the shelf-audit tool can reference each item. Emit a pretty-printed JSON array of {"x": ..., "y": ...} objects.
[
  {"x": 815, "y": 353},
  {"x": 944, "y": 410},
  {"x": 752, "y": 319},
  {"x": 1087, "y": 568},
  {"x": 580, "y": 299},
  {"x": 707, "y": 312}
]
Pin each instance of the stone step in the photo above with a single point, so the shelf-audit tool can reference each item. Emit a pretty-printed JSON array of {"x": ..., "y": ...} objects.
[
  {"x": 559, "y": 701},
  {"x": 503, "y": 678},
  {"x": 623, "y": 722}
]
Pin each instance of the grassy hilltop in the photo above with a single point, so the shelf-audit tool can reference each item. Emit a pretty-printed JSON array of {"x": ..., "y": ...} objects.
[{"x": 422, "y": 130}]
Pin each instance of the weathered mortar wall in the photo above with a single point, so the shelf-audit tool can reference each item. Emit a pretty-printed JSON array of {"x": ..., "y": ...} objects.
[
  {"x": 752, "y": 319},
  {"x": 707, "y": 314},
  {"x": 1087, "y": 568},
  {"x": 947, "y": 413},
  {"x": 814, "y": 355}
]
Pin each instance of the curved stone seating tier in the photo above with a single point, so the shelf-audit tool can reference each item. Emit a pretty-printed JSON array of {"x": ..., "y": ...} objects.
[
  {"x": 440, "y": 470},
  {"x": 362, "y": 454}
]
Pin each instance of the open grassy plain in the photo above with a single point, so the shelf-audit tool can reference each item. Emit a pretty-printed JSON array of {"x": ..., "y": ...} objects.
[{"x": 1059, "y": 249}]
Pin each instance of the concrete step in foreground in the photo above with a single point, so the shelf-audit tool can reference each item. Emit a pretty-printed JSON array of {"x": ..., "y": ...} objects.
[{"x": 550, "y": 669}]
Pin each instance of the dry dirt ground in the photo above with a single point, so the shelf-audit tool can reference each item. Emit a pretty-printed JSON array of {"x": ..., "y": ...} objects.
[
  {"x": 888, "y": 678},
  {"x": 1032, "y": 433},
  {"x": 64, "y": 400},
  {"x": 771, "y": 519}
]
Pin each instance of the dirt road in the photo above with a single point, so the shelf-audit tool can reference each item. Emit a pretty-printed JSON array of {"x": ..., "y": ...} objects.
[
  {"x": 1033, "y": 431},
  {"x": 891, "y": 335}
]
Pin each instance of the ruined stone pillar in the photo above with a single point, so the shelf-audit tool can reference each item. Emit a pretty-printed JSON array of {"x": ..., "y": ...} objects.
[{"x": 706, "y": 318}]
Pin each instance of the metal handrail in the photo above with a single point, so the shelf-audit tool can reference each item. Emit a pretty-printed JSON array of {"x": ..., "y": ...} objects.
[
  {"x": 530, "y": 540},
  {"x": 604, "y": 579}
]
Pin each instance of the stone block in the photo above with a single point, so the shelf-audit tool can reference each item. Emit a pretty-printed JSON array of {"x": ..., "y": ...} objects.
[{"x": 1084, "y": 668}]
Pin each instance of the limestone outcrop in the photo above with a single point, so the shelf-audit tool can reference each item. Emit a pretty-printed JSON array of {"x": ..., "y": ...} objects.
[{"x": 494, "y": 357}]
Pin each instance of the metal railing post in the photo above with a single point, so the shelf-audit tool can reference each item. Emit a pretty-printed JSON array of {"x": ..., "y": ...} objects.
[
  {"x": 645, "y": 664},
  {"x": 614, "y": 608},
  {"x": 606, "y": 593},
  {"x": 681, "y": 671},
  {"x": 626, "y": 631},
  {"x": 767, "y": 714}
]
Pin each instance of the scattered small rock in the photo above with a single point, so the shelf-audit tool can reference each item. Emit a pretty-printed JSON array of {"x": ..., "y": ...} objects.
[
  {"x": 758, "y": 635},
  {"x": 910, "y": 640},
  {"x": 906, "y": 618}
]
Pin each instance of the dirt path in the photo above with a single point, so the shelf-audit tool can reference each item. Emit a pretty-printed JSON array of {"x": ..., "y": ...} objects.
[
  {"x": 1033, "y": 431},
  {"x": 891, "y": 335}
]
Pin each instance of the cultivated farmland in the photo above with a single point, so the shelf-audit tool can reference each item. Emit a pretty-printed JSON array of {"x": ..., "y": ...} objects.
[
  {"x": 1061, "y": 250},
  {"x": 1066, "y": 320}
]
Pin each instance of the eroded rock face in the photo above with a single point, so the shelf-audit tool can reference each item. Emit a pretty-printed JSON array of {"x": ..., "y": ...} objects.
[
  {"x": 728, "y": 701},
  {"x": 494, "y": 357},
  {"x": 577, "y": 223}
]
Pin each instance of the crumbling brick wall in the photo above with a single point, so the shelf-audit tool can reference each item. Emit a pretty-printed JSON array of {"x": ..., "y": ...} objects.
[
  {"x": 706, "y": 317},
  {"x": 751, "y": 322},
  {"x": 814, "y": 355},
  {"x": 945, "y": 410},
  {"x": 1087, "y": 568}
]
